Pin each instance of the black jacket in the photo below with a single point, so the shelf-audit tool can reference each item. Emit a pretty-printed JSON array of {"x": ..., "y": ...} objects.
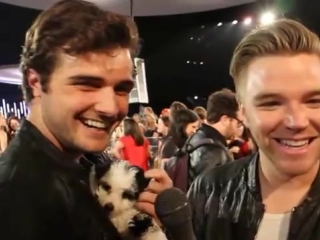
[
  {"x": 227, "y": 205},
  {"x": 45, "y": 196},
  {"x": 208, "y": 156}
]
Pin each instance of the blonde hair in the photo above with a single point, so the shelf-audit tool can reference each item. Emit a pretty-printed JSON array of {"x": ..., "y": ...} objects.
[{"x": 284, "y": 36}]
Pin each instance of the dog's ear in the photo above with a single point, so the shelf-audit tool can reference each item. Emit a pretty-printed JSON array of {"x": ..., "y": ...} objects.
[
  {"x": 101, "y": 169},
  {"x": 97, "y": 172},
  {"x": 142, "y": 181}
]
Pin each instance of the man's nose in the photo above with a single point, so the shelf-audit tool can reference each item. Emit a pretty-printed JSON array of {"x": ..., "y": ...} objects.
[
  {"x": 296, "y": 118},
  {"x": 106, "y": 102}
]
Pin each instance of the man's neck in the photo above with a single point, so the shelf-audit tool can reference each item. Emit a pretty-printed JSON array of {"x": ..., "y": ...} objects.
[
  {"x": 276, "y": 186},
  {"x": 274, "y": 178},
  {"x": 36, "y": 120}
]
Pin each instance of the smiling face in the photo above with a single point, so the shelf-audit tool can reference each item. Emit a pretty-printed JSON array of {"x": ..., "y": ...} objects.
[
  {"x": 86, "y": 99},
  {"x": 281, "y": 105},
  {"x": 191, "y": 128}
]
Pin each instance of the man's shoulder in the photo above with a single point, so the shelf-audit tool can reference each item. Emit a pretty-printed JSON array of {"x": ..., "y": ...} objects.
[{"x": 225, "y": 173}]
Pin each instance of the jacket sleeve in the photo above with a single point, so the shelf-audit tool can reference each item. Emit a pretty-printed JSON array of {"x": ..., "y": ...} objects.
[
  {"x": 20, "y": 219},
  {"x": 26, "y": 214},
  {"x": 198, "y": 196}
]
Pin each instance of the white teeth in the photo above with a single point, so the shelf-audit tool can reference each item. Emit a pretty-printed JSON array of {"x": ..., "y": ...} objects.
[
  {"x": 291, "y": 143},
  {"x": 95, "y": 124}
]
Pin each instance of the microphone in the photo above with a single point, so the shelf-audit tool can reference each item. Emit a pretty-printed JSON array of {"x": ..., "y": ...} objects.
[{"x": 174, "y": 212}]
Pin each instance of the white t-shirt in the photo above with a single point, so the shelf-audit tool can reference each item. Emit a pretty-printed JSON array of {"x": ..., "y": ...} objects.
[{"x": 274, "y": 226}]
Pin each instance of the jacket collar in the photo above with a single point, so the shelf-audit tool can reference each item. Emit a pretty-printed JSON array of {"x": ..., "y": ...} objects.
[
  {"x": 254, "y": 182},
  {"x": 38, "y": 141},
  {"x": 213, "y": 133}
]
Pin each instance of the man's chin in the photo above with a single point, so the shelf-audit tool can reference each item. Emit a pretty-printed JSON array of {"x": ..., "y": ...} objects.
[{"x": 94, "y": 147}]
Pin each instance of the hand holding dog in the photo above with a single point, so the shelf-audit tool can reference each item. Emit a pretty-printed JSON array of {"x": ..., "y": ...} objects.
[{"x": 160, "y": 182}]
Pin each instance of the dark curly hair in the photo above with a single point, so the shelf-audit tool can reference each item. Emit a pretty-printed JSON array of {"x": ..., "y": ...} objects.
[
  {"x": 73, "y": 27},
  {"x": 221, "y": 103},
  {"x": 178, "y": 124}
]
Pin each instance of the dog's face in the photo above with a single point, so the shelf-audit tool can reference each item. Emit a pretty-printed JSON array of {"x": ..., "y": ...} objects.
[{"x": 118, "y": 186}]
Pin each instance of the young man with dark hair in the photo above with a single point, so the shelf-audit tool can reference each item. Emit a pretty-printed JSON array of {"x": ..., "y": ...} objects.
[
  {"x": 222, "y": 121},
  {"x": 77, "y": 65},
  {"x": 274, "y": 194}
]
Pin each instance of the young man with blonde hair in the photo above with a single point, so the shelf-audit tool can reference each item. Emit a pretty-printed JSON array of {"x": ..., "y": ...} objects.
[{"x": 274, "y": 194}]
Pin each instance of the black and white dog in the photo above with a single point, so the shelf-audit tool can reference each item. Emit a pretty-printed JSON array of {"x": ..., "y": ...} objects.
[{"x": 117, "y": 186}]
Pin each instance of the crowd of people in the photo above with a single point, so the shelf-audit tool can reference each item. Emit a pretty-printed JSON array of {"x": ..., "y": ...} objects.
[{"x": 148, "y": 140}]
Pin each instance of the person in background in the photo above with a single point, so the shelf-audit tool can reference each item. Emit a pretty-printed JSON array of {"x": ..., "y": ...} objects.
[
  {"x": 137, "y": 118},
  {"x": 150, "y": 126},
  {"x": 148, "y": 110},
  {"x": 4, "y": 135},
  {"x": 222, "y": 123},
  {"x": 163, "y": 126},
  {"x": 165, "y": 112},
  {"x": 133, "y": 146},
  {"x": 202, "y": 114},
  {"x": 185, "y": 123},
  {"x": 174, "y": 108},
  {"x": 115, "y": 136},
  {"x": 242, "y": 145},
  {"x": 13, "y": 126}
]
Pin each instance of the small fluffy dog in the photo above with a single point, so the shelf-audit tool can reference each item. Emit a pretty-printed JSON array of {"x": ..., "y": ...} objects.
[{"x": 117, "y": 187}]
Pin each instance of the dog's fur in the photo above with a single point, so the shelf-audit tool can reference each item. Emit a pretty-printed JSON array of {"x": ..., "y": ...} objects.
[{"x": 117, "y": 187}]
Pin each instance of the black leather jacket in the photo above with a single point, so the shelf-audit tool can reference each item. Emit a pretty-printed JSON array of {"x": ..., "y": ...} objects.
[
  {"x": 208, "y": 156},
  {"x": 44, "y": 195},
  {"x": 227, "y": 205}
]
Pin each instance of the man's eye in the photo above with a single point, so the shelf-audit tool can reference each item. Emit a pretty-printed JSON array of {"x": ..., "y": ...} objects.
[
  {"x": 269, "y": 104},
  {"x": 314, "y": 101}
]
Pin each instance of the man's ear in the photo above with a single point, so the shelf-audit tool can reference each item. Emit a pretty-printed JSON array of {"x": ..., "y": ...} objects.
[
  {"x": 224, "y": 119},
  {"x": 33, "y": 82},
  {"x": 242, "y": 112}
]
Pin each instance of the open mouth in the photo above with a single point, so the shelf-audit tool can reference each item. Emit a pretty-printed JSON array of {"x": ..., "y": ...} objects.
[
  {"x": 294, "y": 143},
  {"x": 99, "y": 125}
]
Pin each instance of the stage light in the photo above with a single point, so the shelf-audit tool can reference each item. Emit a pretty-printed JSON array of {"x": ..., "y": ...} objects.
[
  {"x": 234, "y": 22},
  {"x": 267, "y": 18},
  {"x": 219, "y": 24},
  {"x": 195, "y": 97},
  {"x": 188, "y": 61},
  {"x": 247, "y": 21},
  {"x": 201, "y": 63}
]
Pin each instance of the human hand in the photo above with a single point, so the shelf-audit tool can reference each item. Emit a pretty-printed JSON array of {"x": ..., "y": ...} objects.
[
  {"x": 160, "y": 181},
  {"x": 234, "y": 149}
]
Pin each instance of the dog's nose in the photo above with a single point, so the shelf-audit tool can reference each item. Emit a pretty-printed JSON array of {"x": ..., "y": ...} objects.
[{"x": 109, "y": 207}]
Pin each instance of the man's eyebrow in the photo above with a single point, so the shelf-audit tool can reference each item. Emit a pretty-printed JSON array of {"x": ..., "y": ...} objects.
[
  {"x": 88, "y": 78},
  {"x": 125, "y": 85},
  {"x": 313, "y": 93},
  {"x": 266, "y": 96}
]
